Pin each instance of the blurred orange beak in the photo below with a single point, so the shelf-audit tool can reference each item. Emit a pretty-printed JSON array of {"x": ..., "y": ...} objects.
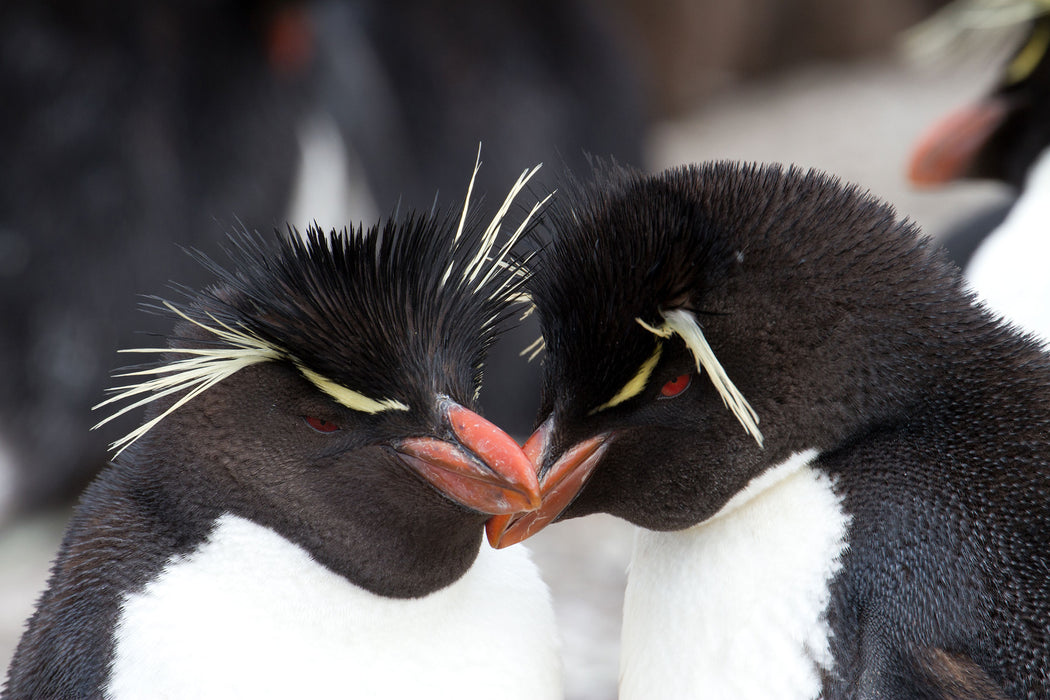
[
  {"x": 483, "y": 469},
  {"x": 947, "y": 151},
  {"x": 558, "y": 486}
]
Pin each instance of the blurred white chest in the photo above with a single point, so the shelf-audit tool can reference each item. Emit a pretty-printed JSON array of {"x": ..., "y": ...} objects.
[{"x": 1009, "y": 269}]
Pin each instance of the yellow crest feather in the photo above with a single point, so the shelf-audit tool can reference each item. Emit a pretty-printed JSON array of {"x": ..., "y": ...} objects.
[
  {"x": 636, "y": 384},
  {"x": 354, "y": 400},
  {"x": 683, "y": 324},
  {"x": 203, "y": 368}
]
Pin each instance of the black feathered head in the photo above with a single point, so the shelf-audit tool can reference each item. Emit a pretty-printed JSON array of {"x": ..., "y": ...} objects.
[
  {"x": 323, "y": 388},
  {"x": 620, "y": 278},
  {"x": 1001, "y": 134},
  {"x": 680, "y": 307},
  {"x": 378, "y": 319}
]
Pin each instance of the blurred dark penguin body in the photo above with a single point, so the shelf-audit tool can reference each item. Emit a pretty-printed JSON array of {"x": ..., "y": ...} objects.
[
  {"x": 838, "y": 460},
  {"x": 140, "y": 127},
  {"x": 302, "y": 513}
]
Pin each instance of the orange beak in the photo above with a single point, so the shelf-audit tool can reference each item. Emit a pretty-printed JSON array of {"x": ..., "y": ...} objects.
[
  {"x": 484, "y": 469},
  {"x": 947, "y": 151},
  {"x": 559, "y": 486}
]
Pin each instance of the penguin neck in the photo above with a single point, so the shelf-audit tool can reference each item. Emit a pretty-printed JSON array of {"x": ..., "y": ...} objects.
[
  {"x": 249, "y": 613},
  {"x": 385, "y": 530},
  {"x": 1009, "y": 269},
  {"x": 735, "y": 606}
]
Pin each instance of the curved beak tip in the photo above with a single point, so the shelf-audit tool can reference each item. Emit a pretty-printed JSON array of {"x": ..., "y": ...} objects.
[
  {"x": 495, "y": 527},
  {"x": 483, "y": 468},
  {"x": 560, "y": 485}
]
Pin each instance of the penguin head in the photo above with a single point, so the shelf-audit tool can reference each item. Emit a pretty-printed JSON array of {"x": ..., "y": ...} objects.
[
  {"x": 324, "y": 388},
  {"x": 704, "y": 324}
]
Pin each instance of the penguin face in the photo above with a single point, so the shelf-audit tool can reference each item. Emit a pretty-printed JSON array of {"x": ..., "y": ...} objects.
[
  {"x": 703, "y": 325},
  {"x": 669, "y": 452},
  {"x": 392, "y": 501},
  {"x": 662, "y": 444},
  {"x": 326, "y": 385}
]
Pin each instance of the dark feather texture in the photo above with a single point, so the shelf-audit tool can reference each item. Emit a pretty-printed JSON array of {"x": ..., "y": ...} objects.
[
  {"x": 750, "y": 251},
  {"x": 850, "y": 333},
  {"x": 369, "y": 309},
  {"x": 404, "y": 313}
]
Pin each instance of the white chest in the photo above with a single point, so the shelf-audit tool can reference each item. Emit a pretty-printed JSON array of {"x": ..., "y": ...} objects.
[
  {"x": 734, "y": 607},
  {"x": 1009, "y": 269},
  {"x": 249, "y": 614}
]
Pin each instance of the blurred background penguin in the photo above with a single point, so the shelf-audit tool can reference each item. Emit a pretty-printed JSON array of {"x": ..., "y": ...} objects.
[{"x": 1003, "y": 136}]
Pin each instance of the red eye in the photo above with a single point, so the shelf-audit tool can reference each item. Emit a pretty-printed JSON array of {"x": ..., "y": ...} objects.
[
  {"x": 676, "y": 386},
  {"x": 321, "y": 426}
]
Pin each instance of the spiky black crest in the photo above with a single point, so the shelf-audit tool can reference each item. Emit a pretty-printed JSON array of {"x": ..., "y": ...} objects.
[
  {"x": 629, "y": 247},
  {"x": 624, "y": 246},
  {"x": 367, "y": 309},
  {"x": 378, "y": 319}
]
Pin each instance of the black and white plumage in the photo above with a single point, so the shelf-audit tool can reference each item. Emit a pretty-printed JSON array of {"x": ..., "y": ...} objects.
[
  {"x": 309, "y": 524},
  {"x": 837, "y": 460}
]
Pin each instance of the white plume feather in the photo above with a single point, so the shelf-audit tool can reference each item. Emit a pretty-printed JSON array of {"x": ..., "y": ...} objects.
[{"x": 684, "y": 324}]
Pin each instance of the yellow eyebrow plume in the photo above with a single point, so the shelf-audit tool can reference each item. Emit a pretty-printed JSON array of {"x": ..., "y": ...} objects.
[
  {"x": 1028, "y": 58},
  {"x": 353, "y": 400},
  {"x": 201, "y": 370},
  {"x": 683, "y": 324},
  {"x": 636, "y": 384}
]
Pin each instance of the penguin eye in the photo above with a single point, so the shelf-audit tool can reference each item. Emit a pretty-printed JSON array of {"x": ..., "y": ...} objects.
[
  {"x": 676, "y": 386},
  {"x": 320, "y": 425}
]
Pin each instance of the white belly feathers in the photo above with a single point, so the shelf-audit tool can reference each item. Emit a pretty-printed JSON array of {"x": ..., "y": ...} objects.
[
  {"x": 734, "y": 607},
  {"x": 249, "y": 614}
]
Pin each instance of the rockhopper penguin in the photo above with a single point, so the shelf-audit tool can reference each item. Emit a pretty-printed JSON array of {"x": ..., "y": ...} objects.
[
  {"x": 301, "y": 515},
  {"x": 837, "y": 460}
]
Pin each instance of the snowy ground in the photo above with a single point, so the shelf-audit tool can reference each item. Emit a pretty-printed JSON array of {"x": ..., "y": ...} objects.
[{"x": 857, "y": 121}]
